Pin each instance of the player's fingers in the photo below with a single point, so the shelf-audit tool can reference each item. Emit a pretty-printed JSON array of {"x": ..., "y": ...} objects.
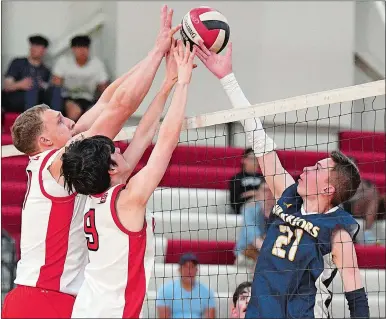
[
  {"x": 229, "y": 50},
  {"x": 176, "y": 57},
  {"x": 192, "y": 54},
  {"x": 204, "y": 48},
  {"x": 174, "y": 30},
  {"x": 163, "y": 15},
  {"x": 202, "y": 57},
  {"x": 187, "y": 52},
  {"x": 173, "y": 43},
  {"x": 169, "y": 18},
  {"x": 200, "y": 52},
  {"x": 180, "y": 50}
]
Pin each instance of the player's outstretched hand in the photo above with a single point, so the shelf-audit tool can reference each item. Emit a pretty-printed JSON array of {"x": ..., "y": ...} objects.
[
  {"x": 184, "y": 61},
  {"x": 171, "y": 65},
  {"x": 219, "y": 65},
  {"x": 164, "y": 38}
]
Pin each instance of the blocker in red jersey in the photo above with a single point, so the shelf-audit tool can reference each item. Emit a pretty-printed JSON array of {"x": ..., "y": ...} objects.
[{"x": 208, "y": 25}]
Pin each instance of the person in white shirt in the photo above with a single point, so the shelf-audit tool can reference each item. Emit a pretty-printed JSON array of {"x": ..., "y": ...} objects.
[{"x": 81, "y": 76}]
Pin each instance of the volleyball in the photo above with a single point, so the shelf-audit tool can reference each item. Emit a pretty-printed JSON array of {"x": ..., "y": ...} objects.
[{"x": 208, "y": 25}]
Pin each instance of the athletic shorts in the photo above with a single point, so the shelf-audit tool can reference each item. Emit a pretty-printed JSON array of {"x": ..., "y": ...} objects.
[{"x": 32, "y": 302}]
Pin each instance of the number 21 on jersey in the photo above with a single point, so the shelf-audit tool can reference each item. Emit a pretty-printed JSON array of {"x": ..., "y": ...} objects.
[
  {"x": 91, "y": 231},
  {"x": 285, "y": 240}
]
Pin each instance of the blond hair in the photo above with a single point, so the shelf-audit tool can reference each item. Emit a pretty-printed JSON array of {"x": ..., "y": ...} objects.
[{"x": 27, "y": 127}]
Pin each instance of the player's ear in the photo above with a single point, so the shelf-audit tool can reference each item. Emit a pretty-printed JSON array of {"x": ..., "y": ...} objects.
[
  {"x": 329, "y": 189},
  {"x": 113, "y": 170},
  {"x": 44, "y": 141}
]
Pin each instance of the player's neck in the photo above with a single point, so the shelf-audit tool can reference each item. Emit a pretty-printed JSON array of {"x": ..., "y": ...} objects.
[
  {"x": 42, "y": 149},
  {"x": 316, "y": 204},
  {"x": 121, "y": 179}
]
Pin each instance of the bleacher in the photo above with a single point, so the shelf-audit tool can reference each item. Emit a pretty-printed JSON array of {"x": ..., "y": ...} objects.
[{"x": 192, "y": 209}]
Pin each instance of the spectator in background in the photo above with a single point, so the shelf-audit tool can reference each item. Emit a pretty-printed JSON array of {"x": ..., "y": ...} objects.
[
  {"x": 81, "y": 77},
  {"x": 26, "y": 79},
  {"x": 243, "y": 185},
  {"x": 240, "y": 301},
  {"x": 186, "y": 297},
  {"x": 252, "y": 233},
  {"x": 365, "y": 205},
  {"x": 243, "y": 189}
]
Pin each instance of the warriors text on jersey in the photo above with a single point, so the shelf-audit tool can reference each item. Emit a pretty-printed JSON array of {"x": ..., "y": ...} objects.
[
  {"x": 53, "y": 248},
  {"x": 120, "y": 266},
  {"x": 291, "y": 261}
]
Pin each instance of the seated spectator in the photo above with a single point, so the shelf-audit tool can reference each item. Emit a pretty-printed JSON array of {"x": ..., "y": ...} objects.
[
  {"x": 365, "y": 204},
  {"x": 243, "y": 185},
  {"x": 81, "y": 77},
  {"x": 251, "y": 235},
  {"x": 26, "y": 79},
  {"x": 186, "y": 297},
  {"x": 240, "y": 301}
]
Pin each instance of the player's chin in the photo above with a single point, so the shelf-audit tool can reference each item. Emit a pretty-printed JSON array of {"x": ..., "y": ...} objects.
[{"x": 242, "y": 313}]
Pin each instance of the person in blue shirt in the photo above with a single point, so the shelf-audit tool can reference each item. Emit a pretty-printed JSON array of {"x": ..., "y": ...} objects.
[
  {"x": 307, "y": 228},
  {"x": 186, "y": 297},
  {"x": 252, "y": 231},
  {"x": 26, "y": 80}
]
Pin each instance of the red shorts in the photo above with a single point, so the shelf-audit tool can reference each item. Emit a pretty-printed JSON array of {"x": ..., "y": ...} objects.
[{"x": 32, "y": 302}]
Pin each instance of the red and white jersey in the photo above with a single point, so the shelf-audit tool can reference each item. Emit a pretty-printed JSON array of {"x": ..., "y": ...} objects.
[
  {"x": 53, "y": 247},
  {"x": 121, "y": 262}
]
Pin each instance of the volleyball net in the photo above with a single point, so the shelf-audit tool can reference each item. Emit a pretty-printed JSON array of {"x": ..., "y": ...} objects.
[{"x": 192, "y": 205}]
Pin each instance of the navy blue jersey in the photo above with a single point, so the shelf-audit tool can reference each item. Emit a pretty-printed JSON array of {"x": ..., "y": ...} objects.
[{"x": 291, "y": 259}]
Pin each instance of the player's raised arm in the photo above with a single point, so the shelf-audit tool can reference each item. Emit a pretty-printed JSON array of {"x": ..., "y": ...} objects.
[
  {"x": 129, "y": 95},
  {"x": 278, "y": 179},
  {"x": 143, "y": 184},
  {"x": 149, "y": 123}
]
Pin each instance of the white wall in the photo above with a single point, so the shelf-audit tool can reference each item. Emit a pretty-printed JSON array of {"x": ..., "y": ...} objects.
[
  {"x": 280, "y": 49},
  {"x": 369, "y": 113},
  {"x": 54, "y": 19},
  {"x": 370, "y": 33}
]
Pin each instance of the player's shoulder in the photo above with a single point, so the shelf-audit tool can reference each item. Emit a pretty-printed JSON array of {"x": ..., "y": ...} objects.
[
  {"x": 347, "y": 221},
  {"x": 290, "y": 196},
  {"x": 344, "y": 216}
]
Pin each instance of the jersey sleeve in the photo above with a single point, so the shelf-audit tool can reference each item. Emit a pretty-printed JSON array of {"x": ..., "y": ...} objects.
[
  {"x": 212, "y": 301},
  {"x": 206, "y": 296},
  {"x": 14, "y": 69},
  {"x": 348, "y": 223},
  {"x": 102, "y": 76}
]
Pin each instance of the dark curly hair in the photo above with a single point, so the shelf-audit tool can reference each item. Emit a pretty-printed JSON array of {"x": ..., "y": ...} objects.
[
  {"x": 240, "y": 290},
  {"x": 86, "y": 165}
]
